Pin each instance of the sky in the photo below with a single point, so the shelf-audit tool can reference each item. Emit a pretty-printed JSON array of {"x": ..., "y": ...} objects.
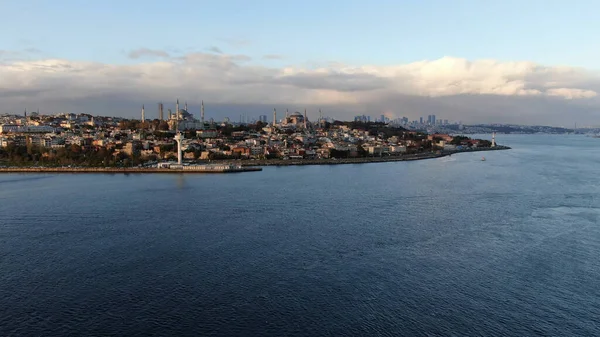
[{"x": 529, "y": 62}]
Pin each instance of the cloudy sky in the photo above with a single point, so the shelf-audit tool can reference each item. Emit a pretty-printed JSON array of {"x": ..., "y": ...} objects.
[{"x": 528, "y": 62}]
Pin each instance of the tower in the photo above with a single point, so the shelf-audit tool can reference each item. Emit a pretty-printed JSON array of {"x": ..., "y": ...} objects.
[
  {"x": 160, "y": 111},
  {"x": 202, "y": 114},
  {"x": 274, "y": 117},
  {"x": 170, "y": 114},
  {"x": 305, "y": 118},
  {"x": 178, "y": 138},
  {"x": 286, "y": 114},
  {"x": 143, "y": 114},
  {"x": 177, "y": 109},
  {"x": 185, "y": 107},
  {"x": 320, "y": 118},
  {"x": 493, "y": 139}
]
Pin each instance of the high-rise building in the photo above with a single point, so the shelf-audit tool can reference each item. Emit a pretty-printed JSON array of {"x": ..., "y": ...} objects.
[
  {"x": 431, "y": 119},
  {"x": 421, "y": 120}
]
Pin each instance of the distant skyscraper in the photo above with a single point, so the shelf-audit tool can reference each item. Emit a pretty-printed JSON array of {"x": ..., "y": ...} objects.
[
  {"x": 143, "y": 114},
  {"x": 421, "y": 120},
  {"x": 431, "y": 119},
  {"x": 202, "y": 113}
]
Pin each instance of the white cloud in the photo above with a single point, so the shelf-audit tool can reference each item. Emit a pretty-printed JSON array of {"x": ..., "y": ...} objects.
[
  {"x": 234, "y": 79},
  {"x": 571, "y": 93}
]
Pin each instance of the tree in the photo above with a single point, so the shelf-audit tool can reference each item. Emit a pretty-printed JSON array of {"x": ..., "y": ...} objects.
[
  {"x": 457, "y": 140},
  {"x": 259, "y": 126},
  {"x": 484, "y": 143},
  {"x": 163, "y": 126}
]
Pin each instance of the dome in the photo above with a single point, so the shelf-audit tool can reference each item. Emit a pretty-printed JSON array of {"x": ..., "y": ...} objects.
[{"x": 296, "y": 114}]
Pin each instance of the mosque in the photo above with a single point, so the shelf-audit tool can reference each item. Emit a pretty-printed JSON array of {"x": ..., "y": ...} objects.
[
  {"x": 295, "y": 120},
  {"x": 183, "y": 120}
]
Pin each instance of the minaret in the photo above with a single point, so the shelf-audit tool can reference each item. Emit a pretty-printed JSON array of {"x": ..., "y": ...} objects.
[
  {"x": 493, "y": 139},
  {"x": 185, "y": 107},
  {"x": 202, "y": 114},
  {"x": 305, "y": 118},
  {"x": 143, "y": 115},
  {"x": 286, "y": 114},
  {"x": 160, "y": 111},
  {"x": 177, "y": 109},
  {"x": 170, "y": 114},
  {"x": 274, "y": 117}
]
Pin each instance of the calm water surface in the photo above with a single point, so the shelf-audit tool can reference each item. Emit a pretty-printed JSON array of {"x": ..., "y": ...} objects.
[{"x": 449, "y": 246}]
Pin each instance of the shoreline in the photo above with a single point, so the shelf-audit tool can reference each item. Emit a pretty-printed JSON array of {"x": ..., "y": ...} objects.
[
  {"x": 363, "y": 160},
  {"x": 248, "y": 165}
]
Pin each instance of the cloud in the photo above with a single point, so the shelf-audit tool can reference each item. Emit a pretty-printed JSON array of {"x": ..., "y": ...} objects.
[
  {"x": 273, "y": 57},
  {"x": 215, "y": 50},
  {"x": 452, "y": 88},
  {"x": 145, "y": 52},
  {"x": 571, "y": 93}
]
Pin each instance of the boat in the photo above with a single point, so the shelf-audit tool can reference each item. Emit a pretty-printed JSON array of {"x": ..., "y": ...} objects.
[{"x": 482, "y": 158}]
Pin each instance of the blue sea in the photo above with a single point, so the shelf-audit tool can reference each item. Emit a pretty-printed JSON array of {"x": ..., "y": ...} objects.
[{"x": 452, "y": 246}]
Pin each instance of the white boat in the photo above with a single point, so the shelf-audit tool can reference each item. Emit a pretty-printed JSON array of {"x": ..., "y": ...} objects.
[{"x": 482, "y": 158}]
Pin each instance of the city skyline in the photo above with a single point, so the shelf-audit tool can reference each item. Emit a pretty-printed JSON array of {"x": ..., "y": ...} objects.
[{"x": 309, "y": 57}]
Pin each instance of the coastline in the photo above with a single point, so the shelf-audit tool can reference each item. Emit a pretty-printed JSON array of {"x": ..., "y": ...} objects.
[
  {"x": 249, "y": 166},
  {"x": 364, "y": 160}
]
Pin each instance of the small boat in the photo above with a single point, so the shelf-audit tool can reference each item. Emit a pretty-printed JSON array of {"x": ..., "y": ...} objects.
[{"x": 482, "y": 158}]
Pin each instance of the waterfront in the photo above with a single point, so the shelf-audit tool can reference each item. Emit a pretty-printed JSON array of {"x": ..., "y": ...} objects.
[
  {"x": 226, "y": 166},
  {"x": 450, "y": 245}
]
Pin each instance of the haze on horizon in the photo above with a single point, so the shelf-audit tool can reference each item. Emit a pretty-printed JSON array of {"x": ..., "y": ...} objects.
[{"x": 525, "y": 62}]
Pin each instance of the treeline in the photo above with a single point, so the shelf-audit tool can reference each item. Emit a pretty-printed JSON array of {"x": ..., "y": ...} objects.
[
  {"x": 69, "y": 155},
  {"x": 458, "y": 140}
]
